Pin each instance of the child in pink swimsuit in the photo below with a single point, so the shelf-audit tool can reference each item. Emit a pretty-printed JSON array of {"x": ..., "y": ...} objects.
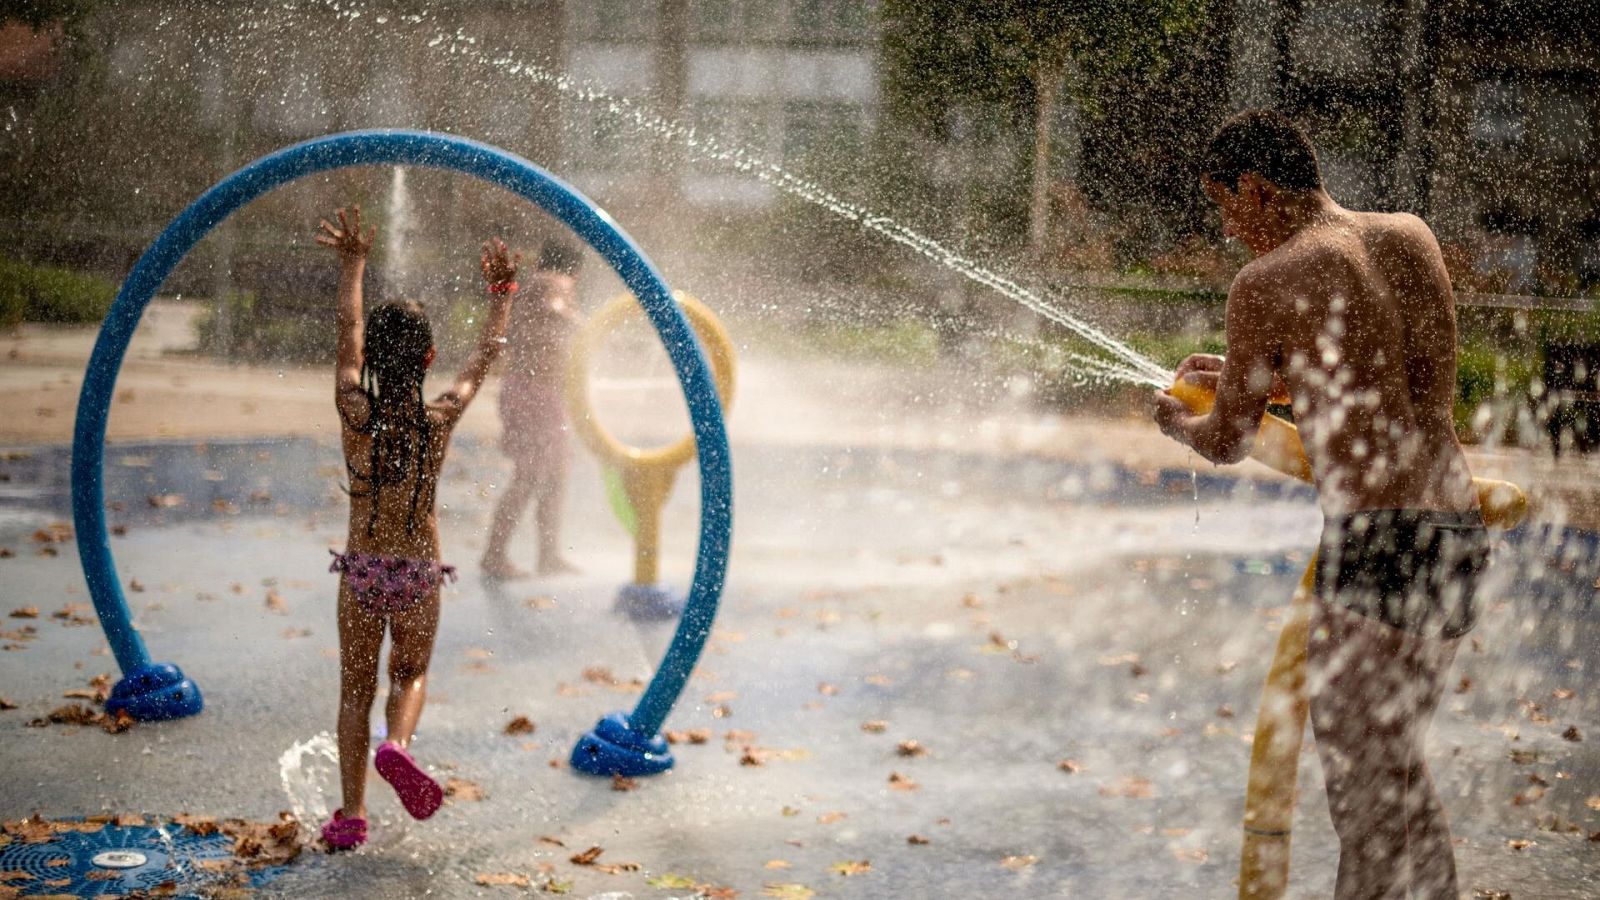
[{"x": 394, "y": 445}]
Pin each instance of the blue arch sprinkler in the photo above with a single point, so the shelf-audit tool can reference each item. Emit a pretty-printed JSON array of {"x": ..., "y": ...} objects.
[{"x": 622, "y": 743}]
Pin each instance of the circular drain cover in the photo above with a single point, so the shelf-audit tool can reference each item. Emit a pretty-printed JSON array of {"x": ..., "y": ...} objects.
[
  {"x": 87, "y": 859},
  {"x": 120, "y": 859}
]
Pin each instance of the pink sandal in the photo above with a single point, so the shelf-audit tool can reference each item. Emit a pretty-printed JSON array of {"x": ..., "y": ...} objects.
[
  {"x": 420, "y": 794},
  {"x": 341, "y": 833}
]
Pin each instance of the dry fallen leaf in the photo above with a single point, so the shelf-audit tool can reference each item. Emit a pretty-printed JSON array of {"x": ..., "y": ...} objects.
[
  {"x": 851, "y": 867},
  {"x": 520, "y": 725},
  {"x": 462, "y": 789},
  {"x": 1131, "y": 786},
  {"x": 669, "y": 880},
  {"x": 911, "y": 748},
  {"x": 504, "y": 879},
  {"x": 1018, "y": 863},
  {"x": 1070, "y": 766},
  {"x": 1191, "y": 854},
  {"x": 587, "y": 857},
  {"x": 877, "y": 726},
  {"x": 832, "y": 817},
  {"x": 917, "y": 840},
  {"x": 788, "y": 891},
  {"x": 901, "y": 782},
  {"x": 623, "y": 783},
  {"x": 776, "y": 864},
  {"x": 25, "y": 612}
]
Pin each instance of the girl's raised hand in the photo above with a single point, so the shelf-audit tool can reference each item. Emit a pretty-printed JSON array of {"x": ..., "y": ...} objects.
[
  {"x": 499, "y": 265},
  {"x": 347, "y": 237}
]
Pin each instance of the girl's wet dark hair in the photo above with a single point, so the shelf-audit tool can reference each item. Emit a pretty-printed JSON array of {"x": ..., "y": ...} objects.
[
  {"x": 1264, "y": 142},
  {"x": 398, "y": 338}
]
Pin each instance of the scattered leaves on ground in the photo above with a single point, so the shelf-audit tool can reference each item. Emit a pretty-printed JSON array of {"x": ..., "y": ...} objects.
[
  {"x": 25, "y": 612},
  {"x": 901, "y": 782},
  {"x": 851, "y": 867},
  {"x": 911, "y": 748},
  {"x": 520, "y": 725},
  {"x": 788, "y": 891},
  {"x": 623, "y": 783},
  {"x": 917, "y": 840},
  {"x": 1018, "y": 863},
  {"x": 876, "y": 726}
]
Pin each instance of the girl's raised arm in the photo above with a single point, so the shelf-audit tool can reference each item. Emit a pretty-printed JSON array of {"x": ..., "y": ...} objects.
[
  {"x": 500, "y": 273},
  {"x": 352, "y": 248}
]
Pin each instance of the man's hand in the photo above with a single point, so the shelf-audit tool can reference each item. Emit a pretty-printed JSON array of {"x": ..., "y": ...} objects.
[
  {"x": 1201, "y": 369},
  {"x": 499, "y": 265},
  {"x": 1172, "y": 417},
  {"x": 347, "y": 239},
  {"x": 1205, "y": 369}
]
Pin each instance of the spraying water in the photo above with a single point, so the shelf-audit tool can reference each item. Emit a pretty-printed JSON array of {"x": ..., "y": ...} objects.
[
  {"x": 309, "y": 770},
  {"x": 1126, "y": 363},
  {"x": 396, "y": 255}
]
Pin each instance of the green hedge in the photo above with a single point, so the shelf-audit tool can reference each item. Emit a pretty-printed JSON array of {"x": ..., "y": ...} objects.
[{"x": 32, "y": 293}]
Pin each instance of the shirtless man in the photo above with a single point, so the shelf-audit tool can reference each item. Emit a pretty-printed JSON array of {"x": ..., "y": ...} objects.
[
  {"x": 533, "y": 411},
  {"x": 1350, "y": 317}
]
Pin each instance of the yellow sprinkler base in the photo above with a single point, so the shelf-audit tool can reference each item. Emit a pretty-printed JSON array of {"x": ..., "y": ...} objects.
[{"x": 1281, "y": 721}]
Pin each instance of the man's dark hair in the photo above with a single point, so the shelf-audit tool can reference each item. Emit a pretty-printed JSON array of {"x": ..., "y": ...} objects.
[
  {"x": 1265, "y": 142},
  {"x": 560, "y": 255}
]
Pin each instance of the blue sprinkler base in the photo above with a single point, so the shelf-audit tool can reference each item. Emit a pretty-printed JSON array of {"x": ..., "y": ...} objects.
[
  {"x": 614, "y": 748},
  {"x": 649, "y": 602},
  {"x": 154, "y": 692}
]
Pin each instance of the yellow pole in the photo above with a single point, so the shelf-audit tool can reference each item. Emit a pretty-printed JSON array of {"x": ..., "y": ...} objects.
[
  {"x": 1280, "y": 723},
  {"x": 647, "y": 473}
]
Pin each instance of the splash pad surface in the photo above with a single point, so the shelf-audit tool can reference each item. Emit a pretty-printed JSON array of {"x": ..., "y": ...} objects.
[{"x": 851, "y": 608}]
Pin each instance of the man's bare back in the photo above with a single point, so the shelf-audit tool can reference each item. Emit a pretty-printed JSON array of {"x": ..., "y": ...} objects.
[{"x": 1361, "y": 307}]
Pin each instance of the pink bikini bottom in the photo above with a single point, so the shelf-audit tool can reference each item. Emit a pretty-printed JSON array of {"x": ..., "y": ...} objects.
[{"x": 386, "y": 585}]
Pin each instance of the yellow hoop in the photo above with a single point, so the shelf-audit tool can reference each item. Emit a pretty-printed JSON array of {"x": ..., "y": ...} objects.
[{"x": 612, "y": 316}]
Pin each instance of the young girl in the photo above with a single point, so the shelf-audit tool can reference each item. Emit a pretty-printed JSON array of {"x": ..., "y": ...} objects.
[{"x": 394, "y": 444}]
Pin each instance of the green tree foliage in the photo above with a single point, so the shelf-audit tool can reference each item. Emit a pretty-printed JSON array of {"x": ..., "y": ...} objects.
[
  {"x": 1009, "y": 58},
  {"x": 41, "y": 14}
]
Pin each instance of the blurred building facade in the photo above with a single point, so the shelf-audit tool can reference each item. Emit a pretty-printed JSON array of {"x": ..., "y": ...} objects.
[{"x": 1479, "y": 114}]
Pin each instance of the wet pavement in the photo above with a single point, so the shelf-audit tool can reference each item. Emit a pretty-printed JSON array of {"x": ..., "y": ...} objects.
[{"x": 1006, "y": 614}]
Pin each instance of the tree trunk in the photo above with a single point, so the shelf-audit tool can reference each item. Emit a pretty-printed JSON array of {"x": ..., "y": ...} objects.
[{"x": 1046, "y": 91}]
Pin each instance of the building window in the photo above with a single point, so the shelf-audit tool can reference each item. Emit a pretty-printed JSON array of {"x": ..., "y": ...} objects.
[
  {"x": 830, "y": 21},
  {"x": 1565, "y": 125},
  {"x": 618, "y": 20},
  {"x": 1499, "y": 117},
  {"x": 820, "y": 130},
  {"x": 734, "y": 126}
]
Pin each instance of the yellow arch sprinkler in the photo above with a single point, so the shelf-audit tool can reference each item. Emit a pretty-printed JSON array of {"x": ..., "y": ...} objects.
[
  {"x": 645, "y": 474},
  {"x": 1281, "y": 721}
]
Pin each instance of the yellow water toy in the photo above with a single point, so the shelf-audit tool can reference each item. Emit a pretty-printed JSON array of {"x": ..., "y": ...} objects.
[
  {"x": 1281, "y": 721},
  {"x": 645, "y": 474}
]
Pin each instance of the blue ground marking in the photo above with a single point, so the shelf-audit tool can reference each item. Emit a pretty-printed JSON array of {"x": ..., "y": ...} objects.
[
  {"x": 159, "y": 690},
  {"x": 172, "y": 854}
]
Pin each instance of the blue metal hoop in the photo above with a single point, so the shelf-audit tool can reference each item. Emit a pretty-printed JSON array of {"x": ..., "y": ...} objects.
[{"x": 156, "y": 691}]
